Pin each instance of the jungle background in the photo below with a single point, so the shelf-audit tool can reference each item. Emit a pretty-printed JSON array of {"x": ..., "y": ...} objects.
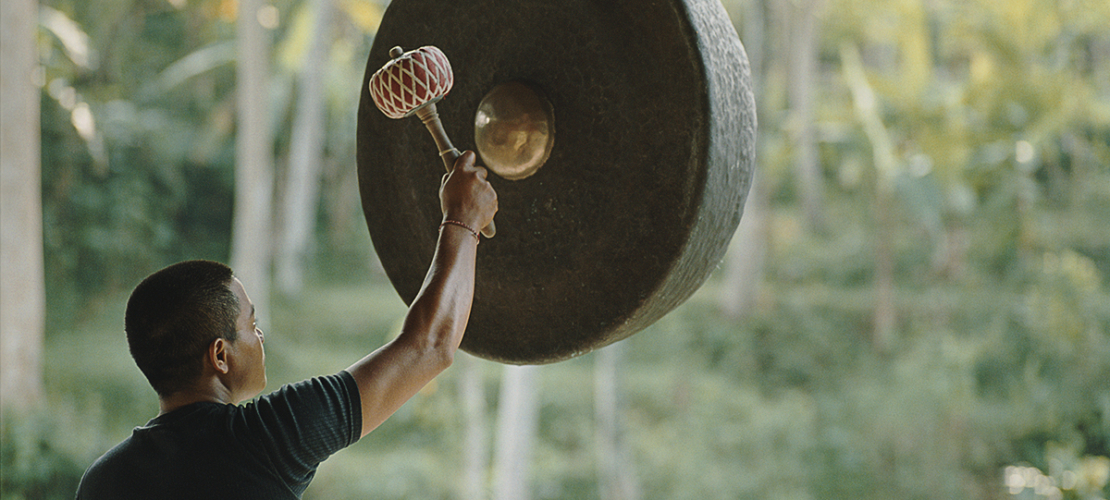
[{"x": 916, "y": 304}]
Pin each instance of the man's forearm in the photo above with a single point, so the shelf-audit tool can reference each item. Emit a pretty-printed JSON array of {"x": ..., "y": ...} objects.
[
  {"x": 438, "y": 316},
  {"x": 431, "y": 334}
]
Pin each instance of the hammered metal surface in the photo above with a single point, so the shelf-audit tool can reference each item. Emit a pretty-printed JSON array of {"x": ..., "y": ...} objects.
[
  {"x": 641, "y": 194},
  {"x": 514, "y": 130}
]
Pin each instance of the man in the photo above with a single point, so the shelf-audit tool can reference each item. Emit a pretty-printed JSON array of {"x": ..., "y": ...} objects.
[{"x": 191, "y": 329}]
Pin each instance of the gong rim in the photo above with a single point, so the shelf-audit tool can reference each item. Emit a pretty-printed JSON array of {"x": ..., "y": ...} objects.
[{"x": 577, "y": 262}]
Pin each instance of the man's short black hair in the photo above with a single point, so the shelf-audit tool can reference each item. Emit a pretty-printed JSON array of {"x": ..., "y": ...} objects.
[{"x": 174, "y": 315}]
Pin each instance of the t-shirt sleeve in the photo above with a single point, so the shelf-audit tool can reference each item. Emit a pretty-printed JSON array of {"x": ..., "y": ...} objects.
[{"x": 300, "y": 425}]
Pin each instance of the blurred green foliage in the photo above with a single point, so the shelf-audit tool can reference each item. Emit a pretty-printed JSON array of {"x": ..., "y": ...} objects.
[
  {"x": 997, "y": 384},
  {"x": 44, "y": 453}
]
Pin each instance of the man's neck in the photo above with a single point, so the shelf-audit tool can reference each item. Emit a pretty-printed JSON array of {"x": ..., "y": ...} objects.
[{"x": 212, "y": 391}]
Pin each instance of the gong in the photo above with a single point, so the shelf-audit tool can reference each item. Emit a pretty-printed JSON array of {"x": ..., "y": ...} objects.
[{"x": 647, "y": 153}]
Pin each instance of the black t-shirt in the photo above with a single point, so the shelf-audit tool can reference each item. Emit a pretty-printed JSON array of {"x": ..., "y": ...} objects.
[{"x": 268, "y": 449}]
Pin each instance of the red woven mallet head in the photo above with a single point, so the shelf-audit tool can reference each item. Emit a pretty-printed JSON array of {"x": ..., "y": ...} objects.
[{"x": 412, "y": 79}]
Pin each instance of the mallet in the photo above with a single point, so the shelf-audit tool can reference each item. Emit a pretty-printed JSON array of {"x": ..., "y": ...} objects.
[{"x": 411, "y": 83}]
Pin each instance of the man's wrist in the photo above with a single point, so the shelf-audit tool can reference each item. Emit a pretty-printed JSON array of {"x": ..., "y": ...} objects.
[{"x": 451, "y": 223}]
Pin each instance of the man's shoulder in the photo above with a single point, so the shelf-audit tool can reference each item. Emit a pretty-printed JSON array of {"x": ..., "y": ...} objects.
[
  {"x": 104, "y": 477},
  {"x": 185, "y": 457},
  {"x": 336, "y": 393},
  {"x": 269, "y": 443},
  {"x": 154, "y": 450}
]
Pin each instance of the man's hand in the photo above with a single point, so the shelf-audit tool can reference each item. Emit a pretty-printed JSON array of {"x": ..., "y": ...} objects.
[{"x": 465, "y": 195}]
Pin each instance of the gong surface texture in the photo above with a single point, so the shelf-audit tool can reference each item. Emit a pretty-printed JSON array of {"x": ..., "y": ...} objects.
[{"x": 654, "y": 145}]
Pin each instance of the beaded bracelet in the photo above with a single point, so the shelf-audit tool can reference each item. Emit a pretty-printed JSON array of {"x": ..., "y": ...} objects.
[{"x": 462, "y": 225}]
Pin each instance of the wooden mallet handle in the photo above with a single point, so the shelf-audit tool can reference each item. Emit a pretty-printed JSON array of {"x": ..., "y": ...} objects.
[{"x": 430, "y": 117}]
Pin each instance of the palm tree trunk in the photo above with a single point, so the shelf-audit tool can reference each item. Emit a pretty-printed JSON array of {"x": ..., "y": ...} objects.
[
  {"x": 22, "y": 295},
  {"x": 616, "y": 477},
  {"x": 882, "y": 151},
  {"x": 517, "y": 419},
  {"x": 251, "y": 241},
  {"x": 302, "y": 186},
  {"x": 801, "y": 88},
  {"x": 747, "y": 252},
  {"x": 475, "y": 431}
]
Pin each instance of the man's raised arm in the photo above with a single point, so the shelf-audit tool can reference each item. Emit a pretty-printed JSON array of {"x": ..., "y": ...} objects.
[{"x": 437, "y": 318}]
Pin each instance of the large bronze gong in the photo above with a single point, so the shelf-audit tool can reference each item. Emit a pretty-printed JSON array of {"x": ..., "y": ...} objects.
[{"x": 651, "y": 154}]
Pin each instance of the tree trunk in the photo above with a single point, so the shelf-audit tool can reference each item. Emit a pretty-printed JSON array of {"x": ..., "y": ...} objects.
[
  {"x": 517, "y": 418},
  {"x": 802, "y": 57},
  {"x": 475, "y": 433},
  {"x": 254, "y": 178},
  {"x": 302, "y": 186},
  {"x": 22, "y": 296},
  {"x": 885, "y": 314},
  {"x": 616, "y": 477},
  {"x": 882, "y": 151},
  {"x": 746, "y": 256},
  {"x": 747, "y": 252},
  {"x": 755, "y": 43}
]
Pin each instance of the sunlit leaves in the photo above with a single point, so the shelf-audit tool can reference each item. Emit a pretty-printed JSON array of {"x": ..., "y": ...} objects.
[
  {"x": 1059, "y": 303},
  {"x": 192, "y": 65},
  {"x": 365, "y": 14},
  {"x": 72, "y": 38}
]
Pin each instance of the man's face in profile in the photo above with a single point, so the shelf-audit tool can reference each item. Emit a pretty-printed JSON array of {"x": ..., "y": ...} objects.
[{"x": 248, "y": 357}]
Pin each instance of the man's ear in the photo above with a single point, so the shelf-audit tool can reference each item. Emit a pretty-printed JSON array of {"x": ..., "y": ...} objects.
[{"x": 217, "y": 355}]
